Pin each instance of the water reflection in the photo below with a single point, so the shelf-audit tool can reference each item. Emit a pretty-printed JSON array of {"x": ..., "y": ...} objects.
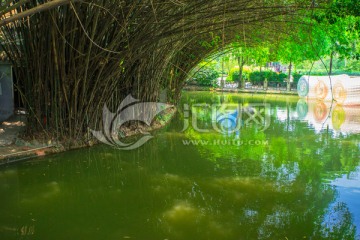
[
  {"x": 344, "y": 213},
  {"x": 340, "y": 118},
  {"x": 169, "y": 190}
]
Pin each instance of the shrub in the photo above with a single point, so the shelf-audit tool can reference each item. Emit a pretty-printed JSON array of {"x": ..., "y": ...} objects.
[
  {"x": 282, "y": 77},
  {"x": 233, "y": 75},
  {"x": 206, "y": 77},
  {"x": 246, "y": 73},
  {"x": 259, "y": 77},
  {"x": 296, "y": 77}
]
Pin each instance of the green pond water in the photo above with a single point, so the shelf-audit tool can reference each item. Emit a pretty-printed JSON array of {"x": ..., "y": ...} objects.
[{"x": 278, "y": 168}]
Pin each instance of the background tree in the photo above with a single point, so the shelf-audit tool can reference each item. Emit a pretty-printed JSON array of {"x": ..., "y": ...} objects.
[{"x": 341, "y": 24}]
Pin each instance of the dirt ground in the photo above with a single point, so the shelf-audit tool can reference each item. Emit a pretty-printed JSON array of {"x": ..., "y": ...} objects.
[{"x": 12, "y": 147}]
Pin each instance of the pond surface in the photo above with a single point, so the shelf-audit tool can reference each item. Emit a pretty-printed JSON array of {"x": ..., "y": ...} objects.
[{"x": 245, "y": 167}]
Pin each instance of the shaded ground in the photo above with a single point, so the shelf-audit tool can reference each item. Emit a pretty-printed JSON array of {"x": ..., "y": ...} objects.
[
  {"x": 13, "y": 148},
  {"x": 10, "y": 129}
]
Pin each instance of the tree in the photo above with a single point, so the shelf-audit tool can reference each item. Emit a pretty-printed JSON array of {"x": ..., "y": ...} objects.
[
  {"x": 257, "y": 54},
  {"x": 341, "y": 24},
  {"x": 74, "y": 60},
  {"x": 305, "y": 43},
  {"x": 10, "y": 9}
]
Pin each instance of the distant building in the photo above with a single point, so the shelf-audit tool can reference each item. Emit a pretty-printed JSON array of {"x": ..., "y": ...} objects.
[{"x": 277, "y": 67}]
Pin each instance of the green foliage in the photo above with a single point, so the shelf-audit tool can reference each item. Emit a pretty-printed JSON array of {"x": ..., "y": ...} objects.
[
  {"x": 205, "y": 74},
  {"x": 339, "y": 9},
  {"x": 259, "y": 77},
  {"x": 206, "y": 77},
  {"x": 246, "y": 74},
  {"x": 214, "y": 41},
  {"x": 353, "y": 65},
  {"x": 341, "y": 24},
  {"x": 296, "y": 77},
  {"x": 233, "y": 75},
  {"x": 334, "y": 31},
  {"x": 281, "y": 77}
]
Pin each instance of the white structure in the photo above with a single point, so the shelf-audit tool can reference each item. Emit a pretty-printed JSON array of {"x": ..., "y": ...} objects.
[{"x": 6, "y": 91}]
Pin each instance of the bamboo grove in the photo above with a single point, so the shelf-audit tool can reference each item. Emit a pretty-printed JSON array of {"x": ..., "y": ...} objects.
[{"x": 71, "y": 60}]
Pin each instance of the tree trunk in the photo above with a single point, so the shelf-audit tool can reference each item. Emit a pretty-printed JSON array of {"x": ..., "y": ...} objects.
[
  {"x": 241, "y": 63},
  {"x": 331, "y": 62},
  {"x": 288, "y": 85},
  {"x": 222, "y": 82}
]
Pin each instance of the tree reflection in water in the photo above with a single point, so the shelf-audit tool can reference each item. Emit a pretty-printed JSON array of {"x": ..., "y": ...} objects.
[{"x": 168, "y": 190}]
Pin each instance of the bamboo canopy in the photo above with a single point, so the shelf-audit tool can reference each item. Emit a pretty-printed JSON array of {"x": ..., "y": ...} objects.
[{"x": 72, "y": 59}]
